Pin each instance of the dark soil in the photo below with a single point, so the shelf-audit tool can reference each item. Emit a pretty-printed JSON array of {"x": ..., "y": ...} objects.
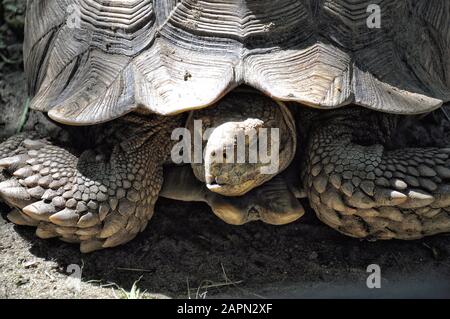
[{"x": 186, "y": 246}]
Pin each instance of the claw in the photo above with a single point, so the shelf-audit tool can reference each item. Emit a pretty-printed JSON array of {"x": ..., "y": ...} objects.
[
  {"x": 113, "y": 224},
  {"x": 40, "y": 210},
  {"x": 8, "y": 184},
  {"x": 88, "y": 220},
  {"x": 91, "y": 231},
  {"x": 14, "y": 162},
  {"x": 66, "y": 217},
  {"x": 23, "y": 172},
  {"x": 46, "y": 231},
  {"x": 18, "y": 218},
  {"x": 360, "y": 200},
  {"x": 15, "y": 195},
  {"x": 91, "y": 245},
  {"x": 417, "y": 199},
  {"x": 119, "y": 238},
  {"x": 66, "y": 231},
  {"x": 71, "y": 239}
]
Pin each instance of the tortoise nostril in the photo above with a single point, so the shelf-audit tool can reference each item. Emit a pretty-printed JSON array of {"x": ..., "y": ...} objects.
[{"x": 219, "y": 180}]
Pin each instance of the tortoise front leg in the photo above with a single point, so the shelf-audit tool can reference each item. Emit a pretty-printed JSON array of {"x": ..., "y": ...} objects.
[
  {"x": 360, "y": 188},
  {"x": 100, "y": 199}
]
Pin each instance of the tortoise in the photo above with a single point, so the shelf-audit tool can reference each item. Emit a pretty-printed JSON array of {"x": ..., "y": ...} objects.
[{"x": 334, "y": 78}]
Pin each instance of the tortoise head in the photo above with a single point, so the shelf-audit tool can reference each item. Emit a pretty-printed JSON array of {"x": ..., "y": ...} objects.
[{"x": 246, "y": 140}]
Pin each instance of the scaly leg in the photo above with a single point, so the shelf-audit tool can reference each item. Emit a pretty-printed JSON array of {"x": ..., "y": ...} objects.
[
  {"x": 100, "y": 199},
  {"x": 362, "y": 189}
]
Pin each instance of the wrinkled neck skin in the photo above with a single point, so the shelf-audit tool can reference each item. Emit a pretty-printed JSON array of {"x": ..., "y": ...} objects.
[{"x": 134, "y": 127}]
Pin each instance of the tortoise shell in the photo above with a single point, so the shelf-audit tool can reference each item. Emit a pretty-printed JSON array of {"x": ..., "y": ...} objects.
[{"x": 91, "y": 61}]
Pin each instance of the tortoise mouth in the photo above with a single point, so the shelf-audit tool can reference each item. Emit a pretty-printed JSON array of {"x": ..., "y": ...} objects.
[
  {"x": 214, "y": 186},
  {"x": 232, "y": 190}
]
